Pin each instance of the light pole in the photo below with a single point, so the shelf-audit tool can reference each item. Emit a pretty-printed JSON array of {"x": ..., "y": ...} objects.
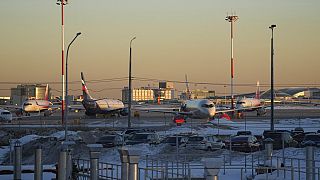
[
  {"x": 66, "y": 98},
  {"x": 62, "y": 3},
  {"x": 232, "y": 19},
  {"x": 271, "y": 89},
  {"x": 130, "y": 88}
]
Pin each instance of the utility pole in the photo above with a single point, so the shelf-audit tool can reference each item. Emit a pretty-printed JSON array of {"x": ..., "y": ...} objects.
[
  {"x": 232, "y": 19},
  {"x": 272, "y": 80}
]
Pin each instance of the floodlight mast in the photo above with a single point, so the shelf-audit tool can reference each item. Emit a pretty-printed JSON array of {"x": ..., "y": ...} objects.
[{"x": 232, "y": 19}]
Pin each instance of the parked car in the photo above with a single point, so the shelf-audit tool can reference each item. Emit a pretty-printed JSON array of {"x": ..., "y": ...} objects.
[
  {"x": 172, "y": 140},
  {"x": 244, "y": 143},
  {"x": 129, "y": 132},
  {"x": 244, "y": 133},
  {"x": 110, "y": 140},
  {"x": 277, "y": 137},
  {"x": 311, "y": 137},
  {"x": 204, "y": 142},
  {"x": 143, "y": 137}
]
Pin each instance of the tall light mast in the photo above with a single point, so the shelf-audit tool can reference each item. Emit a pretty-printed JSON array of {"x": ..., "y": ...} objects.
[
  {"x": 232, "y": 19},
  {"x": 62, "y": 3}
]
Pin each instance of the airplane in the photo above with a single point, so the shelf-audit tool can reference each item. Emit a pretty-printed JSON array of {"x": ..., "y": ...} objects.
[
  {"x": 251, "y": 104},
  {"x": 101, "y": 106},
  {"x": 38, "y": 105},
  {"x": 5, "y": 115}
]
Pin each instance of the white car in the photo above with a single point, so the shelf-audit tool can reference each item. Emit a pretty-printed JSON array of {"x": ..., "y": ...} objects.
[
  {"x": 204, "y": 142},
  {"x": 5, "y": 115}
]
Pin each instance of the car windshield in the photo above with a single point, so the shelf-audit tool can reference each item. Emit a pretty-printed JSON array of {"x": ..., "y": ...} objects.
[
  {"x": 312, "y": 138},
  {"x": 140, "y": 136},
  {"x": 195, "y": 139},
  {"x": 5, "y": 113},
  {"x": 172, "y": 139},
  {"x": 240, "y": 139}
]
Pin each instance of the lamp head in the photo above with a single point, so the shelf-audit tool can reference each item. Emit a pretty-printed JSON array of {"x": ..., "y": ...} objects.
[
  {"x": 79, "y": 33},
  {"x": 273, "y": 26}
]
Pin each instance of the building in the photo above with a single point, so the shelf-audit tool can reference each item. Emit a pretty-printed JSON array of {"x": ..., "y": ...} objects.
[
  {"x": 27, "y": 91},
  {"x": 164, "y": 92},
  {"x": 198, "y": 94},
  {"x": 4, "y": 100},
  {"x": 138, "y": 94}
]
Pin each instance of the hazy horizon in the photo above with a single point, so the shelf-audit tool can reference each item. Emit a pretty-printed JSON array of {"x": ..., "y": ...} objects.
[{"x": 174, "y": 38}]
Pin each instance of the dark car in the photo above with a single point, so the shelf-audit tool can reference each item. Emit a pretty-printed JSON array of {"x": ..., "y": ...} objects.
[
  {"x": 172, "y": 140},
  {"x": 279, "y": 137},
  {"x": 239, "y": 133},
  {"x": 110, "y": 140},
  {"x": 144, "y": 137},
  {"x": 244, "y": 143},
  {"x": 311, "y": 137}
]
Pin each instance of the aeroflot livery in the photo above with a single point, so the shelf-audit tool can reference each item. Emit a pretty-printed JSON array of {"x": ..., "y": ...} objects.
[{"x": 101, "y": 106}]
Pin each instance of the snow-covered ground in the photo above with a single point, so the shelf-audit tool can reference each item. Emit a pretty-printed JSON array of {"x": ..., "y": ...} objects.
[{"x": 237, "y": 160}]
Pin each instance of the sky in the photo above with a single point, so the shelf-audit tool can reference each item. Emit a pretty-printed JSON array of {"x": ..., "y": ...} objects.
[{"x": 174, "y": 38}]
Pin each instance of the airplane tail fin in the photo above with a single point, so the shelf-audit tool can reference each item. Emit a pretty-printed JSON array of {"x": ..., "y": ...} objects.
[
  {"x": 46, "y": 95},
  {"x": 85, "y": 91},
  {"x": 258, "y": 91}
]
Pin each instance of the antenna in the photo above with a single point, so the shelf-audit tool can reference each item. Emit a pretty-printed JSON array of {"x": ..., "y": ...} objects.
[{"x": 188, "y": 90}]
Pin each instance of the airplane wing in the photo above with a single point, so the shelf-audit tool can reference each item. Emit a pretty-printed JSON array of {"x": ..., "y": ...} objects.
[{"x": 166, "y": 110}]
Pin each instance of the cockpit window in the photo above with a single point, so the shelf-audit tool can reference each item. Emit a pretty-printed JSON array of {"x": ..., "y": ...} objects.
[
  {"x": 207, "y": 105},
  {"x": 27, "y": 104},
  {"x": 240, "y": 102}
]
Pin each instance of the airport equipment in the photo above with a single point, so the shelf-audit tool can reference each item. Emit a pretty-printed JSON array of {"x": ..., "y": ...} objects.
[
  {"x": 232, "y": 19},
  {"x": 130, "y": 88},
  {"x": 271, "y": 90},
  {"x": 62, "y": 3},
  {"x": 66, "y": 113}
]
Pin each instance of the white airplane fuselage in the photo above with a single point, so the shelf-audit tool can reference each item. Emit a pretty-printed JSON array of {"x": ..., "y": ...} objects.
[
  {"x": 200, "y": 108},
  {"x": 247, "y": 103},
  {"x": 30, "y": 106}
]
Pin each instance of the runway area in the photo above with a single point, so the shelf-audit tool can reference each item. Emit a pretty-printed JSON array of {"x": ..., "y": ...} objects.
[{"x": 153, "y": 120}]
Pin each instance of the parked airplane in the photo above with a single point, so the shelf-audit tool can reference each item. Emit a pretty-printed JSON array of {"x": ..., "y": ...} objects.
[
  {"x": 5, "y": 115},
  {"x": 251, "y": 104},
  {"x": 195, "y": 108},
  {"x": 39, "y": 105},
  {"x": 101, "y": 106}
]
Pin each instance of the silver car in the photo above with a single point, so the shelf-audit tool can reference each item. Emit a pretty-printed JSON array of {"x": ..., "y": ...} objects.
[{"x": 204, "y": 142}]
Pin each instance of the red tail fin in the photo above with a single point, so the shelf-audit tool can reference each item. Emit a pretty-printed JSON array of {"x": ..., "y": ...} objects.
[
  {"x": 258, "y": 91},
  {"x": 46, "y": 95}
]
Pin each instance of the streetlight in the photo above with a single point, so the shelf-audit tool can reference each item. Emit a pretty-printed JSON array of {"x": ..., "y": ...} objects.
[
  {"x": 130, "y": 88},
  {"x": 62, "y": 3},
  {"x": 66, "y": 114},
  {"x": 271, "y": 89},
  {"x": 232, "y": 19}
]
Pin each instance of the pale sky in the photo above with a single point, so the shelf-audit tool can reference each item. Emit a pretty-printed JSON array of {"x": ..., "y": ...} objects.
[{"x": 174, "y": 38}]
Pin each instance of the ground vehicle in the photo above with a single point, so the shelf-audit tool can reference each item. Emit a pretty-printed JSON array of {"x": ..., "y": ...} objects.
[
  {"x": 143, "y": 137},
  {"x": 244, "y": 143},
  {"x": 311, "y": 137},
  {"x": 110, "y": 140},
  {"x": 280, "y": 137},
  {"x": 244, "y": 133},
  {"x": 5, "y": 115},
  {"x": 172, "y": 140},
  {"x": 129, "y": 132},
  {"x": 204, "y": 142}
]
